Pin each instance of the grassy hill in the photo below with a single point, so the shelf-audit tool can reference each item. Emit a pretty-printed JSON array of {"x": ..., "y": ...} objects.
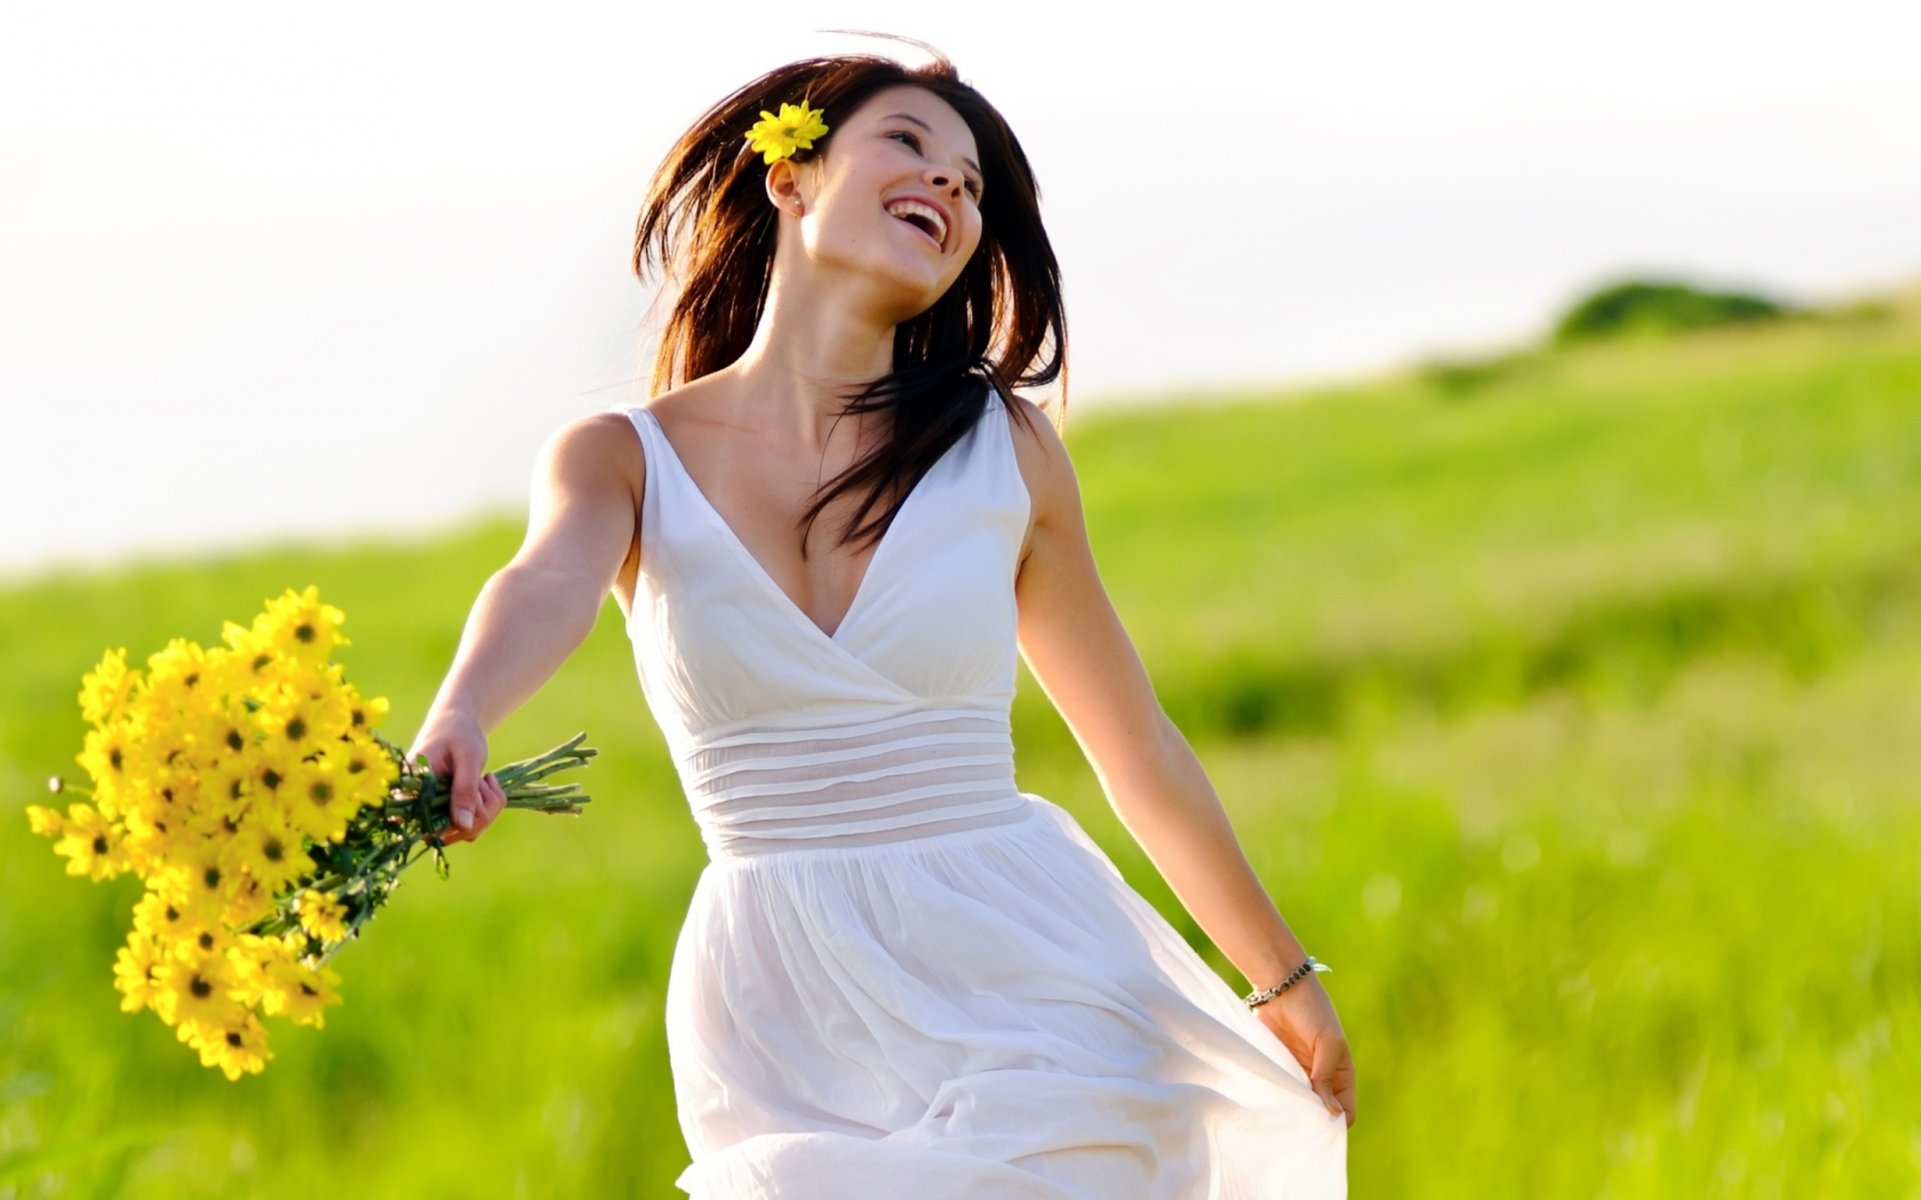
[{"x": 1570, "y": 714}]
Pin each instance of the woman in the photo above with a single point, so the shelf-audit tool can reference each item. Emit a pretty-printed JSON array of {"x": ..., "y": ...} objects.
[{"x": 899, "y": 975}]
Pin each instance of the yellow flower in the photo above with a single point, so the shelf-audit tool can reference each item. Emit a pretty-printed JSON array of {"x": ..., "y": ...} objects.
[
  {"x": 323, "y": 916},
  {"x": 369, "y": 771},
  {"x": 299, "y": 992},
  {"x": 91, "y": 844},
  {"x": 136, "y": 971},
  {"x": 364, "y": 714},
  {"x": 108, "y": 757},
  {"x": 194, "y": 991},
  {"x": 151, "y": 832},
  {"x": 301, "y": 626},
  {"x": 249, "y": 902},
  {"x": 302, "y": 717},
  {"x": 238, "y": 1045},
  {"x": 256, "y": 959},
  {"x": 225, "y": 788},
  {"x": 795, "y": 128},
  {"x": 164, "y": 920},
  {"x": 226, "y": 735},
  {"x": 226, "y": 673},
  {"x": 267, "y": 849},
  {"x": 196, "y": 881},
  {"x": 176, "y": 676},
  {"x": 256, "y": 659},
  {"x": 211, "y": 940},
  {"x": 46, "y": 822},
  {"x": 319, "y": 801},
  {"x": 104, "y": 691}
]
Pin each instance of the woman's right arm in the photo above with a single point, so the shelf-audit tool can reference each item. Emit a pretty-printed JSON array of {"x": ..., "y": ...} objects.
[{"x": 535, "y": 611}]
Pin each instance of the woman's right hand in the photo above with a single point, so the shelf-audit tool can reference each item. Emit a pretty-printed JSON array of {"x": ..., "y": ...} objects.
[{"x": 456, "y": 748}]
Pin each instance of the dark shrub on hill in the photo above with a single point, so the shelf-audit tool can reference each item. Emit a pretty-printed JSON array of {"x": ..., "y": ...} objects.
[{"x": 1660, "y": 307}]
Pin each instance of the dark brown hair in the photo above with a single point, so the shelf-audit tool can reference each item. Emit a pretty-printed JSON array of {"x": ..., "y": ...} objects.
[{"x": 708, "y": 224}]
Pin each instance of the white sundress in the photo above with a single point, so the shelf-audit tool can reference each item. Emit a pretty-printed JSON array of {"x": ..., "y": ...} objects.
[{"x": 899, "y": 975}]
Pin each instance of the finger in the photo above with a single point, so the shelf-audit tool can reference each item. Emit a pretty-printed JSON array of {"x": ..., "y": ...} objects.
[
  {"x": 1329, "y": 1100},
  {"x": 492, "y": 800},
  {"x": 465, "y": 802},
  {"x": 1322, "y": 1079}
]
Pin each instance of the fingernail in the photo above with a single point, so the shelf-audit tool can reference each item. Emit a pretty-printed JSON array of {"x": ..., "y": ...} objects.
[{"x": 463, "y": 818}]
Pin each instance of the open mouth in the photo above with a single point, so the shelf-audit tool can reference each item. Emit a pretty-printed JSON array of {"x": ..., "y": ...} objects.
[{"x": 921, "y": 217}]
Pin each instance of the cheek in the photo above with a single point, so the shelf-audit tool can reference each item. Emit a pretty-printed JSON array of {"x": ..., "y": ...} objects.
[{"x": 975, "y": 231}]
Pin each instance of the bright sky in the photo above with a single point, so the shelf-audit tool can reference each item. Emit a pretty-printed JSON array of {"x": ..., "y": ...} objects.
[{"x": 331, "y": 270}]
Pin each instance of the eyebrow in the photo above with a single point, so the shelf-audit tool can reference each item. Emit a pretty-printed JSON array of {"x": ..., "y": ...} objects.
[{"x": 929, "y": 128}]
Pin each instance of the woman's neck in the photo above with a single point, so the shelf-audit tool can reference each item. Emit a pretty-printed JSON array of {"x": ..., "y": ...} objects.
[{"x": 807, "y": 355}]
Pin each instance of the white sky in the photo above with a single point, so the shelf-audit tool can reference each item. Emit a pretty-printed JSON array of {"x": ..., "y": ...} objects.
[{"x": 342, "y": 269}]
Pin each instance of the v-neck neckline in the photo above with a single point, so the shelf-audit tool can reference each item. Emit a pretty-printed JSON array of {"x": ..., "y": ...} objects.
[{"x": 766, "y": 578}]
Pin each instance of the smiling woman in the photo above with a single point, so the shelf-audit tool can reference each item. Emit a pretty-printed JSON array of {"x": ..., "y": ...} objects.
[
  {"x": 898, "y": 973},
  {"x": 921, "y": 148}
]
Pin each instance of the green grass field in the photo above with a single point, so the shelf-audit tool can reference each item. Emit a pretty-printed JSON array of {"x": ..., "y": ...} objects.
[{"x": 1574, "y": 717}]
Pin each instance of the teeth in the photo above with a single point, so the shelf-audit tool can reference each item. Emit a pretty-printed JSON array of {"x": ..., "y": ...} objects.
[{"x": 904, "y": 208}]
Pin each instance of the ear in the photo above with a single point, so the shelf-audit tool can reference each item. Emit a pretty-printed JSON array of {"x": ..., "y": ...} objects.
[{"x": 789, "y": 187}]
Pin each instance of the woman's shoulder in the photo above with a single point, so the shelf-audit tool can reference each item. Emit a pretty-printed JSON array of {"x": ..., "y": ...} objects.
[
  {"x": 596, "y": 455},
  {"x": 1038, "y": 447}
]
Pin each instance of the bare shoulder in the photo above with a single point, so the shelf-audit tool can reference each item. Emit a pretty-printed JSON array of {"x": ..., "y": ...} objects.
[
  {"x": 598, "y": 447},
  {"x": 583, "y": 516},
  {"x": 1045, "y": 467}
]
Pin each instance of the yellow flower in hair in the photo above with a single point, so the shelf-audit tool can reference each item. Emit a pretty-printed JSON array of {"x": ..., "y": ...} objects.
[{"x": 794, "y": 129}]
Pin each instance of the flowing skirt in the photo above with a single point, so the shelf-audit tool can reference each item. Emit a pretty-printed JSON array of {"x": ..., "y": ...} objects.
[{"x": 988, "y": 1013}]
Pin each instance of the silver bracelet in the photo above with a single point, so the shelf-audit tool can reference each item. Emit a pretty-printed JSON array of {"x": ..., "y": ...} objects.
[{"x": 1256, "y": 999}]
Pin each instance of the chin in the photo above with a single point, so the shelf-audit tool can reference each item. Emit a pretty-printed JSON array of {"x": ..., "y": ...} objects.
[{"x": 907, "y": 297}]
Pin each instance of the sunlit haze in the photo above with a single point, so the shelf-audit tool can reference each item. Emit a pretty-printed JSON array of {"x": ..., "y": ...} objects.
[{"x": 333, "y": 270}]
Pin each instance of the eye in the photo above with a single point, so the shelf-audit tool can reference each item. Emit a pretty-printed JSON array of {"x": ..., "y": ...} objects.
[{"x": 973, "y": 189}]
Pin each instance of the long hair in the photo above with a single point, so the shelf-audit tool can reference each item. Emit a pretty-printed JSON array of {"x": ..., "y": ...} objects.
[{"x": 707, "y": 224}]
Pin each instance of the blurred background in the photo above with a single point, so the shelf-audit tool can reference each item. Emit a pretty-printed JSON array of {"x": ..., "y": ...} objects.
[{"x": 1500, "y": 428}]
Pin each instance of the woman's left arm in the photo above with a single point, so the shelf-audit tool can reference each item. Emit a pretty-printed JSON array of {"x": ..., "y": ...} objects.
[{"x": 1074, "y": 643}]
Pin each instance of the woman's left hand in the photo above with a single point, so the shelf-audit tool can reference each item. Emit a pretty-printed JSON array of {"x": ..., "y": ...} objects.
[{"x": 1303, "y": 1018}]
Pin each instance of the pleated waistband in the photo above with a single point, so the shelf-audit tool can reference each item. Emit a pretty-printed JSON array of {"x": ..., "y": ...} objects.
[{"x": 909, "y": 775}]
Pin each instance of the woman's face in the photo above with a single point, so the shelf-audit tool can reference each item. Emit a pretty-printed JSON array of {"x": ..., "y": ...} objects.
[{"x": 895, "y": 198}]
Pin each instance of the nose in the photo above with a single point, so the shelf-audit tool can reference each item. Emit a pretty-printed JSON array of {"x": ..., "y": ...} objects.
[{"x": 945, "y": 179}]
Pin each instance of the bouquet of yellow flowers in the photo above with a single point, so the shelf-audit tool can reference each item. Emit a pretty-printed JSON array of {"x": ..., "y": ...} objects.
[{"x": 245, "y": 785}]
